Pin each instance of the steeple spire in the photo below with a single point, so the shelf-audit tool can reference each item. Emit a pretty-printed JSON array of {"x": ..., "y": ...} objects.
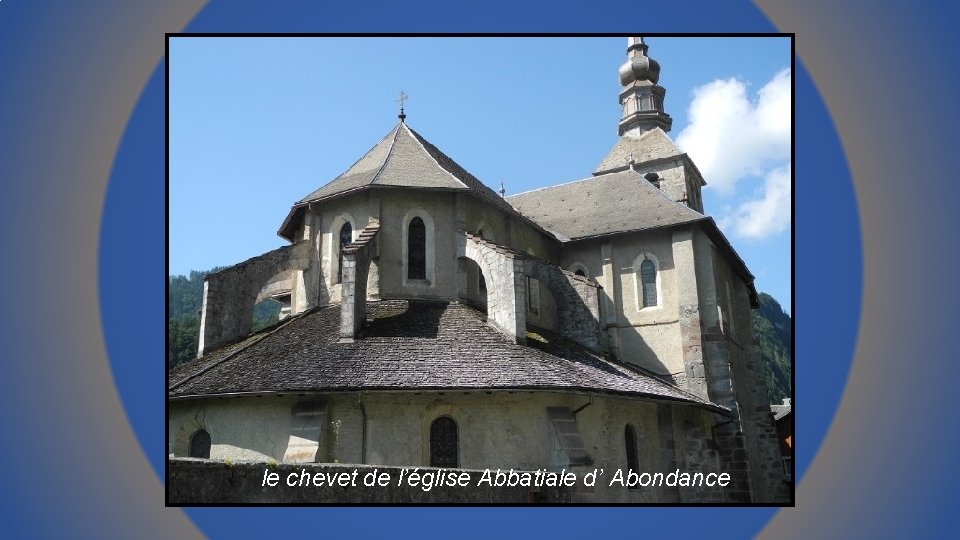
[{"x": 641, "y": 98}]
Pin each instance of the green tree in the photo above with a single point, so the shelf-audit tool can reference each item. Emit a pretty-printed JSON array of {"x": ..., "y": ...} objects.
[
  {"x": 184, "y": 299},
  {"x": 774, "y": 332}
]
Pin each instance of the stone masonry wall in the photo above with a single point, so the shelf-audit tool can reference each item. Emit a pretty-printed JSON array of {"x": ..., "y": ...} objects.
[
  {"x": 506, "y": 289},
  {"x": 735, "y": 374},
  {"x": 577, "y": 298},
  {"x": 356, "y": 267},
  {"x": 230, "y": 294}
]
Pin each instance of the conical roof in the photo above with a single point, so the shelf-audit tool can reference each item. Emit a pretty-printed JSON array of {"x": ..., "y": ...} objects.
[{"x": 402, "y": 158}]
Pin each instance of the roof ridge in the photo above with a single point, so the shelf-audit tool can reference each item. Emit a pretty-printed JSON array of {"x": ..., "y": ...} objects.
[
  {"x": 564, "y": 184},
  {"x": 444, "y": 169},
  {"x": 305, "y": 200},
  {"x": 396, "y": 133}
]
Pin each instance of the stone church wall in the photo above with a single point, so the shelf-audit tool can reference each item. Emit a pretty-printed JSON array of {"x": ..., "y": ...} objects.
[
  {"x": 496, "y": 430},
  {"x": 729, "y": 342},
  {"x": 358, "y": 210},
  {"x": 442, "y": 213},
  {"x": 229, "y": 295},
  {"x": 647, "y": 337}
]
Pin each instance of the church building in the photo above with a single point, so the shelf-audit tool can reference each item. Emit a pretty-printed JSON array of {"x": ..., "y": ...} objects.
[{"x": 430, "y": 321}]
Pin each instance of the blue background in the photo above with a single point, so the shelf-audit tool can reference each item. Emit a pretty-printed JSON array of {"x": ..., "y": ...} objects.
[{"x": 82, "y": 164}]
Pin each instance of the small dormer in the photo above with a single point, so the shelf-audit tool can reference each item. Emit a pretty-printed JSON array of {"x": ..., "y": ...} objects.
[{"x": 653, "y": 178}]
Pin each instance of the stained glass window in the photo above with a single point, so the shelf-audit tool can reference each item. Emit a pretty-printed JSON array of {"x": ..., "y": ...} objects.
[{"x": 648, "y": 282}]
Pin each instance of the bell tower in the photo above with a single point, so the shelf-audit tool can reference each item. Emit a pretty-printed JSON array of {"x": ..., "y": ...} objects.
[{"x": 641, "y": 98}]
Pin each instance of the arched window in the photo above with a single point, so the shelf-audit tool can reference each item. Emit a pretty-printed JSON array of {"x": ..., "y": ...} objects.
[
  {"x": 200, "y": 444},
  {"x": 444, "y": 443},
  {"x": 346, "y": 237},
  {"x": 648, "y": 282},
  {"x": 630, "y": 441},
  {"x": 579, "y": 269},
  {"x": 416, "y": 249}
]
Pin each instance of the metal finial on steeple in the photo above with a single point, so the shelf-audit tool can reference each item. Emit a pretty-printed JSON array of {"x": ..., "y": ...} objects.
[
  {"x": 503, "y": 191},
  {"x": 631, "y": 161},
  {"x": 637, "y": 42},
  {"x": 402, "y": 100}
]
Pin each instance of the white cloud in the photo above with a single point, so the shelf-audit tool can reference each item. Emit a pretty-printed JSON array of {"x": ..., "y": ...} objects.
[
  {"x": 730, "y": 136},
  {"x": 766, "y": 214}
]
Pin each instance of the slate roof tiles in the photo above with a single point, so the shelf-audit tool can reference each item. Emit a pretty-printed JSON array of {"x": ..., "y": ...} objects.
[
  {"x": 610, "y": 203},
  {"x": 408, "y": 345}
]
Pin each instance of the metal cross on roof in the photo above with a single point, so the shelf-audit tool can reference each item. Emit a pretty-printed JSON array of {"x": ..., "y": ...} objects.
[{"x": 402, "y": 100}]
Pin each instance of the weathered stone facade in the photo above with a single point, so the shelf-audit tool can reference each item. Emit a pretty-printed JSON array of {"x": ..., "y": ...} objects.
[
  {"x": 497, "y": 430},
  {"x": 230, "y": 294}
]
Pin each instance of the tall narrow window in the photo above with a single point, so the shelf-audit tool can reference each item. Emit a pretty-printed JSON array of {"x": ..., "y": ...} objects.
[
  {"x": 630, "y": 440},
  {"x": 346, "y": 236},
  {"x": 648, "y": 282},
  {"x": 444, "y": 443},
  {"x": 416, "y": 249},
  {"x": 481, "y": 283},
  {"x": 200, "y": 444}
]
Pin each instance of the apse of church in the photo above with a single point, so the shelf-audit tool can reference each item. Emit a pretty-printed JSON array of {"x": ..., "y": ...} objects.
[{"x": 431, "y": 321}]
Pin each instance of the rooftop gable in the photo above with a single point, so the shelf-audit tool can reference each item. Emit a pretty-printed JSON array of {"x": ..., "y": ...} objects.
[{"x": 649, "y": 146}]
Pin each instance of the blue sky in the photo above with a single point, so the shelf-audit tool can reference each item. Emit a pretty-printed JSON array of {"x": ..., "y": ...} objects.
[{"x": 257, "y": 123}]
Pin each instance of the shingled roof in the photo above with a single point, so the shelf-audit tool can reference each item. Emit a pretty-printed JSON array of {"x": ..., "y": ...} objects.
[
  {"x": 408, "y": 345},
  {"x": 402, "y": 158},
  {"x": 610, "y": 203},
  {"x": 649, "y": 146}
]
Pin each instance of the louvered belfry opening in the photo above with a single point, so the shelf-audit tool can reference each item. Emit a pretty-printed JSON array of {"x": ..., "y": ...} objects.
[{"x": 444, "y": 443}]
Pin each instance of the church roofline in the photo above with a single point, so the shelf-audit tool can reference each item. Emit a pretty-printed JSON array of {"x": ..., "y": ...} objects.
[
  {"x": 416, "y": 136},
  {"x": 456, "y": 179},
  {"x": 286, "y": 230},
  {"x": 710, "y": 406},
  {"x": 657, "y": 161},
  {"x": 304, "y": 358}
]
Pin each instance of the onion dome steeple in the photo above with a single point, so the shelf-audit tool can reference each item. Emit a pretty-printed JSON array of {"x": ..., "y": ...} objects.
[{"x": 641, "y": 98}]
